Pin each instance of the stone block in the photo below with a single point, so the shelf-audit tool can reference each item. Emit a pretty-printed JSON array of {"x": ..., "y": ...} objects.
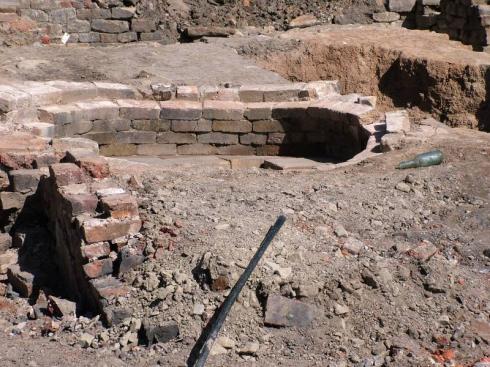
[
  {"x": 258, "y": 111},
  {"x": 170, "y": 137},
  {"x": 199, "y": 126},
  {"x": 12, "y": 98},
  {"x": 143, "y": 25},
  {"x": 386, "y": 17},
  {"x": 324, "y": 88},
  {"x": 43, "y": 129},
  {"x": 44, "y": 4},
  {"x": 253, "y": 139},
  {"x": 401, "y": 6},
  {"x": 98, "y": 110},
  {"x": 180, "y": 110},
  {"x": 152, "y": 36},
  {"x": 116, "y": 91},
  {"x": 8, "y": 259},
  {"x": 118, "y": 150},
  {"x": 95, "y": 166},
  {"x": 127, "y": 37},
  {"x": 187, "y": 93},
  {"x": 41, "y": 93},
  {"x": 397, "y": 122},
  {"x": 78, "y": 26},
  {"x": 74, "y": 91},
  {"x": 281, "y": 311},
  {"x": 98, "y": 268},
  {"x": 236, "y": 150},
  {"x": 94, "y": 13},
  {"x": 233, "y": 126},
  {"x": 197, "y": 149},
  {"x": 25, "y": 180},
  {"x": 147, "y": 125},
  {"x": 156, "y": 149},
  {"x": 136, "y": 137},
  {"x": 108, "y": 38},
  {"x": 245, "y": 162},
  {"x": 111, "y": 125},
  {"x": 119, "y": 206},
  {"x": 64, "y": 144},
  {"x": 62, "y": 16},
  {"x": 22, "y": 281},
  {"x": 64, "y": 174},
  {"x": 56, "y": 114},
  {"x": 268, "y": 150},
  {"x": 251, "y": 93},
  {"x": 223, "y": 110},
  {"x": 123, "y": 12},
  {"x": 268, "y": 126},
  {"x": 110, "y": 26},
  {"x": 139, "y": 110},
  {"x": 218, "y": 138},
  {"x": 35, "y": 14},
  {"x": 102, "y": 137},
  {"x": 90, "y": 37}
]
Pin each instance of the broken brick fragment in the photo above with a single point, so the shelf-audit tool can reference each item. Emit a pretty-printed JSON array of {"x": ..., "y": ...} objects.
[
  {"x": 64, "y": 174},
  {"x": 96, "y": 250},
  {"x": 120, "y": 206},
  {"x": 96, "y": 167},
  {"x": 98, "y": 268}
]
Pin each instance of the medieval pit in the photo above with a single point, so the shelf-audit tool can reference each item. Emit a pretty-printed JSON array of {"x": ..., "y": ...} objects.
[{"x": 146, "y": 147}]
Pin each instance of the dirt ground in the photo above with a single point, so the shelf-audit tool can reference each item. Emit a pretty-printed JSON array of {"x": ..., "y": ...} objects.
[
  {"x": 379, "y": 305},
  {"x": 395, "y": 263}
]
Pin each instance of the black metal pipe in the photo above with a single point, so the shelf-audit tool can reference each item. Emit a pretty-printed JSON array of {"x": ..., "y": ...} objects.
[{"x": 201, "y": 349}]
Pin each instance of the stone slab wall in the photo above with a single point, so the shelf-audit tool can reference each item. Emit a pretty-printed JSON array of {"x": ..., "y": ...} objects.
[
  {"x": 86, "y": 21},
  {"x": 468, "y": 21}
]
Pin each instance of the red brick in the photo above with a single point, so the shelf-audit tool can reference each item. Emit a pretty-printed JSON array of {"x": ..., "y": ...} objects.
[
  {"x": 109, "y": 287},
  {"x": 66, "y": 174},
  {"x": 223, "y": 110},
  {"x": 240, "y": 126},
  {"x": 77, "y": 204},
  {"x": 120, "y": 206},
  {"x": 96, "y": 167},
  {"x": 98, "y": 268},
  {"x": 99, "y": 230},
  {"x": 96, "y": 250},
  {"x": 424, "y": 251}
]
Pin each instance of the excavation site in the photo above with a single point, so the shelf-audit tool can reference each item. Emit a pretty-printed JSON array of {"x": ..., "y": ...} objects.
[{"x": 245, "y": 183}]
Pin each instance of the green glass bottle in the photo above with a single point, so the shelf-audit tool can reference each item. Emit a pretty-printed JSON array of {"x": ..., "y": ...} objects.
[{"x": 431, "y": 158}]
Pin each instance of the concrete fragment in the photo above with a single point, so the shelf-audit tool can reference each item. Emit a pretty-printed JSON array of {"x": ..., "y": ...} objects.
[
  {"x": 397, "y": 122},
  {"x": 281, "y": 311},
  {"x": 303, "y": 21}
]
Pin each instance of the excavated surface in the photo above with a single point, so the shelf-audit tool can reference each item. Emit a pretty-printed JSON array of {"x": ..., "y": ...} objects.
[{"x": 404, "y": 68}]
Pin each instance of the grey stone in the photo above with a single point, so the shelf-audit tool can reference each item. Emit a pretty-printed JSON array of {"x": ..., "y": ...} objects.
[
  {"x": 281, "y": 311},
  {"x": 110, "y": 26},
  {"x": 386, "y": 17},
  {"x": 401, "y": 6}
]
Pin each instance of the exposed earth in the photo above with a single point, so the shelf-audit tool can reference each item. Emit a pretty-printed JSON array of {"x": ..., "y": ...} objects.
[{"x": 393, "y": 264}]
